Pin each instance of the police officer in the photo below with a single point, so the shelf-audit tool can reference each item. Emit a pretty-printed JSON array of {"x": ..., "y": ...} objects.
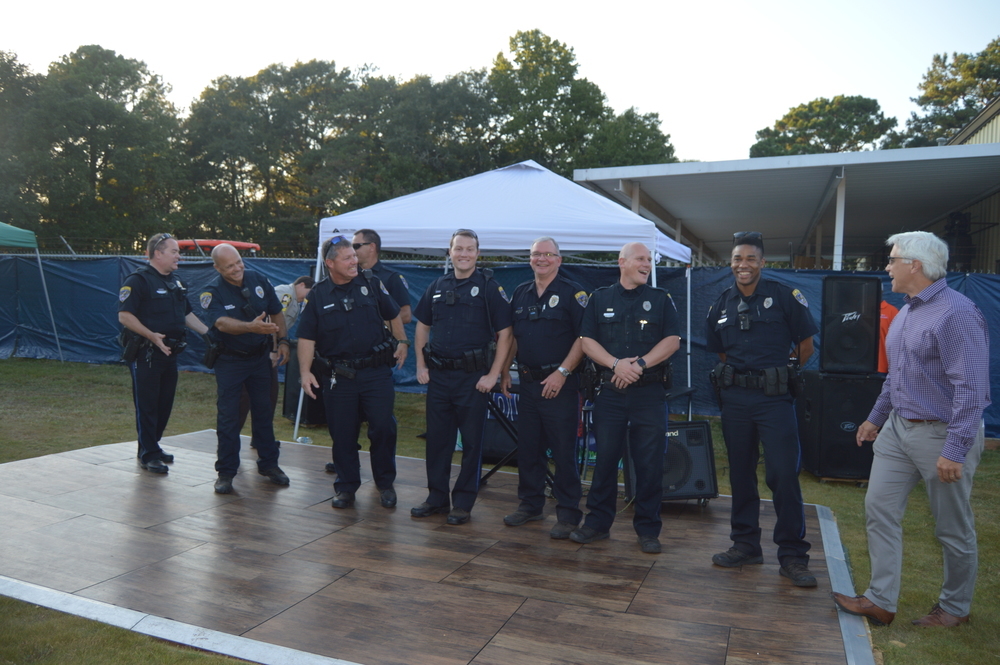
[
  {"x": 630, "y": 330},
  {"x": 368, "y": 245},
  {"x": 154, "y": 308},
  {"x": 342, "y": 325},
  {"x": 547, "y": 312},
  {"x": 291, "y": 296},
  {"x": 237, "y": 304},
  {"x": 755, "y": 326},
  {"x": 465, "y": 309}
]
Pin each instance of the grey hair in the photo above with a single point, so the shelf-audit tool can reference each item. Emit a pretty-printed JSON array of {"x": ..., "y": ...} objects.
[
  {"x": 546, "y": 239},
  {"x": 930, "y": 250}
]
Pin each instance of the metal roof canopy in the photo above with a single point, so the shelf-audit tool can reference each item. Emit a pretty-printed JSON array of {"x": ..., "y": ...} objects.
[{"x": 871, "y": 194}]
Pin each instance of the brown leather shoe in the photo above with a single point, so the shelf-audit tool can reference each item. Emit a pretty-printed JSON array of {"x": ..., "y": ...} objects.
[
  {"x": 939, "y": 617},
  {"x": 862, "y": 607}
]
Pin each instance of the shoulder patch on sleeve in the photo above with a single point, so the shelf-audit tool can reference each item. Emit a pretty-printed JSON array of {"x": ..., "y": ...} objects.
[
  {"x": 503, "y": 293},
  {"x": 382, "y": 286},
  {"x": 582, "y": 298},
  {"x": 403, "y": 280},
  {"x": 124, "y": 293},
  {"x": 205, "y": 299},
  {"x": 285, "y": 300},
  {"x": 801, "y": 298}
]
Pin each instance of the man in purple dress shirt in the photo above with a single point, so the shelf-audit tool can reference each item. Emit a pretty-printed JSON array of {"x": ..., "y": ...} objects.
[{"x": 927, "y": 424}]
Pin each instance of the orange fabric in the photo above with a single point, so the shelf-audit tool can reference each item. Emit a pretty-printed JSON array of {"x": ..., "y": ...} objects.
[{"x": 887, "y": 314}]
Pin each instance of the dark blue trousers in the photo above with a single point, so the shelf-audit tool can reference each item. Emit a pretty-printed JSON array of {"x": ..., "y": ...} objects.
[
  {"x": 454, "y": 405},
  {"x": 638, "y": 412},
  {"x": 548, "y": 424},
  {"x": 371, "y": 393},
  {"x": 231, "y": 375},
  {"x": 751, "y": 419},
  {"x": 154, "y": 382}
]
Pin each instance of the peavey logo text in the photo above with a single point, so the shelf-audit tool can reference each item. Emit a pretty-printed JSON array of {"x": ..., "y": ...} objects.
[{"x": 851, "y": 316}]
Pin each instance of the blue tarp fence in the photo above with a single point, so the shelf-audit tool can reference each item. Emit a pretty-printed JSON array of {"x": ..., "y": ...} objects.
[{"x": 84, "y": 295}]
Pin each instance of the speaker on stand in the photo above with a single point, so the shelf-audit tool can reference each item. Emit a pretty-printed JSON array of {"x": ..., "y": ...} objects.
[{"x": 850, "y": 316}]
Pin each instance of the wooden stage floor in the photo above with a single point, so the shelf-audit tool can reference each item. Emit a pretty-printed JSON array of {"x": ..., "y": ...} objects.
[{"x": 375, "y": 586}]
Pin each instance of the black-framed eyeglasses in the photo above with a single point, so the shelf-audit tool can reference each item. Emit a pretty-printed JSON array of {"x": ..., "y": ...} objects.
[
  {"x": 748, "y": 237},
  {"x": 742, "y": 316},
  {"x": 359, "y": 245},
  {"x": 163, "y": 236},
  {"x": 898, "y": 258}
]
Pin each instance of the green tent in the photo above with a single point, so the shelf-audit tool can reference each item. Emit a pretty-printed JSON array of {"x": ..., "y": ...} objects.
[{"x": 11, "y": 236}]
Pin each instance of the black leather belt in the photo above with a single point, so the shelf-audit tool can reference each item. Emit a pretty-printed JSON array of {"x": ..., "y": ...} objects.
[{"x": 531, "y": 374}]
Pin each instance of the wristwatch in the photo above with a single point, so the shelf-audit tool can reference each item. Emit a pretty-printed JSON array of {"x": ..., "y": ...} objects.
[
  {"x": 641, "y": 362},
  {"x": 564, "y": 371}
]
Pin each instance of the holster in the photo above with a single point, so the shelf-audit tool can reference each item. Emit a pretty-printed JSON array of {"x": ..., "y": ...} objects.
[
  {"x": 131, "y": 344},
  {"x": 213, "y": 350},
  {"x": 794, "y": 380}
]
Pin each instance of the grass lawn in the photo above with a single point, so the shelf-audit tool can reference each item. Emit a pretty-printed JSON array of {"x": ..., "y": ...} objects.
[{"x": 48, "y": 407}]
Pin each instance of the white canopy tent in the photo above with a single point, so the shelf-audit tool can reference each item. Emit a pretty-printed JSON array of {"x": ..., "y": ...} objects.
[{"x": 508, "y": 208}]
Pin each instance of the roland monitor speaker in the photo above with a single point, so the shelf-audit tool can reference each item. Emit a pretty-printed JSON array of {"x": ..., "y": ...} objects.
[{"x": 688, "y": 463}]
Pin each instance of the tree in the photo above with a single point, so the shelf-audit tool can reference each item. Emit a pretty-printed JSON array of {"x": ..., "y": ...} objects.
[
  {"x": 544, "y": 111},
  {"x": 629, "y": 138},
  {"x": 103, "y": 155},
  {"x": 254, "y": 145},
  {"x": 953, "y": 92},
  {"x": 18, "y": 87},
  {"x": 841, "y": 124}
]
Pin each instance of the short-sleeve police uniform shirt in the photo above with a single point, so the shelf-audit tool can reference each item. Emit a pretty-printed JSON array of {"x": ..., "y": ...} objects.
[
  {"x": 346, "y": 320},
  {"x": 628, "y": 323},
  {"x": 394, "y": 282},
  {"x": 158, "y": 301},
  {"x": 220, "y": 298},
  {"x": 547, "y": 326},
  {"x": 779, "y": 318},
  {"x": 463, "y": 325}
]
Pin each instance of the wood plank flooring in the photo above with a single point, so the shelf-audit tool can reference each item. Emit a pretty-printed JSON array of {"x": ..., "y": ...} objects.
[{"x": 377, "y": 587}]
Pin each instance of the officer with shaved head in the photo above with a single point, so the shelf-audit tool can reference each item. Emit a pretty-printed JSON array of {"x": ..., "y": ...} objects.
[{"x": 629, "y": 330}]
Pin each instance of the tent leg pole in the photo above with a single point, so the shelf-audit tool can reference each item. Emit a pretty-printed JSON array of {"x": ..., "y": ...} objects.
[{"x": 45, "y": 289}]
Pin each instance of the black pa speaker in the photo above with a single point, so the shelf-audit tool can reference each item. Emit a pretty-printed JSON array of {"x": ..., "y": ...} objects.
[
  {"x": 688, "y": 463},
  {"x": 313, "y": 411},
  {"x": 851, "y": 309},
  {"x": 830, "y": 410},
  {"x": 497, "y": 443}
]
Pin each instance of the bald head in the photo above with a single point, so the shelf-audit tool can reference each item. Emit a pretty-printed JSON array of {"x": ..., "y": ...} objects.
[
  {"x": 635, "y": 264},
  {"x": 629, "y": 250},
  {"x": 228, "y": 263}
]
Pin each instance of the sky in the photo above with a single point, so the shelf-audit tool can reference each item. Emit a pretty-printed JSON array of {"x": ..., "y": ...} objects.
[{"x": 716, "y": 73}]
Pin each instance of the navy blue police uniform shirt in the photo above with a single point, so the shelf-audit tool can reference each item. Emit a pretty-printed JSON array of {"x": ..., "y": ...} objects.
[
  {"x": 463, "y": 326},
  {"x": 220, "y": 298},
  {"x": 345, "y": 333},
  {"x": 779, "y": 318},
  {"x": 394, "y": 283},
  {"x": 158, "y": 301},
  {"x": 629, "y": 323},
  {"x": 547, "y": 326}
]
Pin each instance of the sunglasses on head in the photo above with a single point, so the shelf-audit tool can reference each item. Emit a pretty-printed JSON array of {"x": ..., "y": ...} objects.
[{"x": 163, "y": 237}]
